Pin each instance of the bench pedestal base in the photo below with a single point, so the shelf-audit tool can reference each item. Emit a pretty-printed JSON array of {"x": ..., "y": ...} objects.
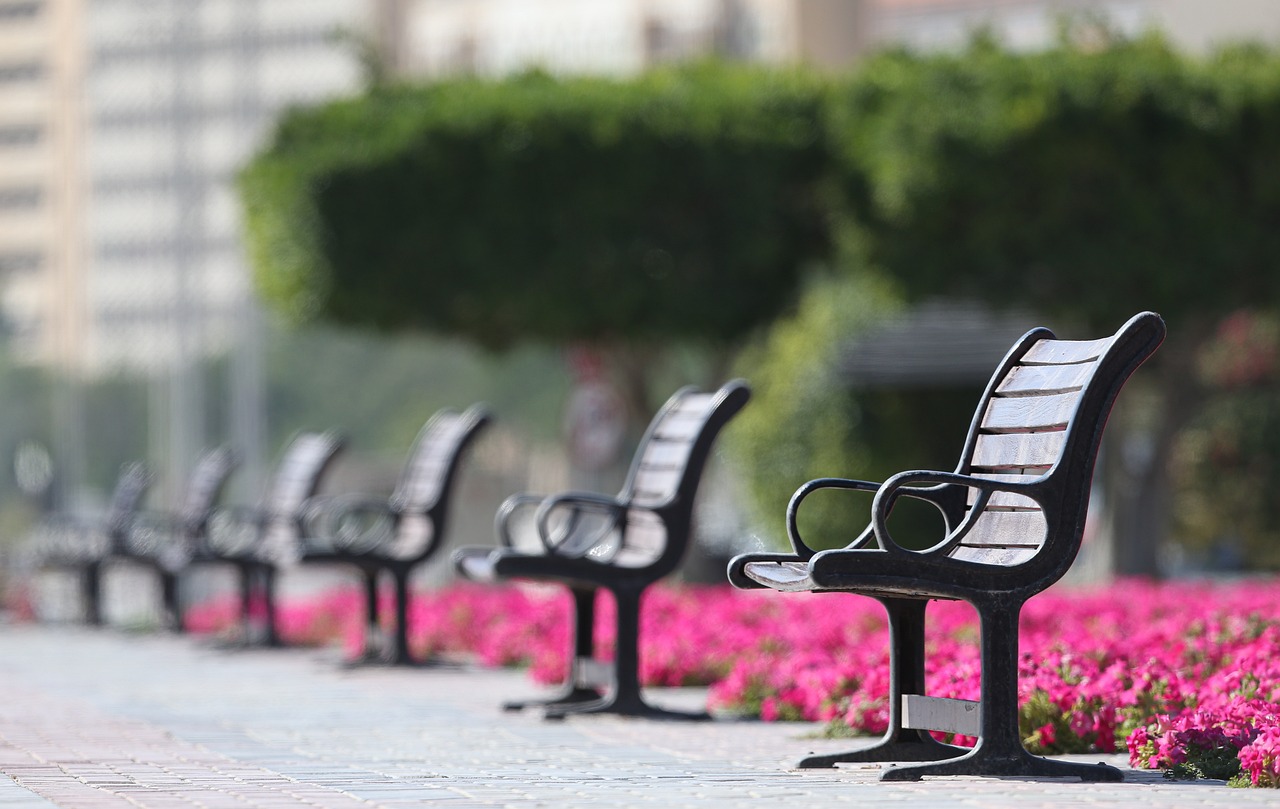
[
  {"x": 1005, "y": 763},
  {"x": 922, "y": 748}
]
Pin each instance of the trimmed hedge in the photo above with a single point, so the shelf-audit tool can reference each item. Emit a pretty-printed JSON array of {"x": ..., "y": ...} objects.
[
  {"x": 683, "y": 204},
  {"x": 1084, "y": 183}
]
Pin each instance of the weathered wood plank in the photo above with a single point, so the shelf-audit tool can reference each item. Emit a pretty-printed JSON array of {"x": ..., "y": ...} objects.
[
  {"x": 678, "y": 429},
  {"x": 1017, "y": 450},
  {"x": 1032, "y": 380},
  {"x": 1004, "y": 557},
  {"x": 785, "y": 576},
  {"x": 665, "y": 453},
  {"x": 1008, "y": 528},
  {"x": 652, "y": 485},
  {"x": 1061, "y": 352},
  {"x": 1005, "y": 500},
  {"x": 961, "y": 716},
  {"x": 1026, "y": 413}
]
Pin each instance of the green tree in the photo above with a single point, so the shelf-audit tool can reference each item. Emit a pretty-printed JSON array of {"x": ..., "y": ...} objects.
[{"x": 678, "y": 207}]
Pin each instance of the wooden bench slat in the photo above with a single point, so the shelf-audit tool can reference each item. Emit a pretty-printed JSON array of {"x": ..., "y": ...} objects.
[
  {"x": 654, "y": 485},
  {"x": 1029, "y": 380},
  {"x": 1027, "y": 413},
  {"x": 666, "y": 453},
  {"x": 1017, "y": 450},
  {"x": 1063, "y": 352},
  {"x": 785, "y": 576},
  {"x": 1003, "y": 557},
  {"x": 1008, "y": 528}
]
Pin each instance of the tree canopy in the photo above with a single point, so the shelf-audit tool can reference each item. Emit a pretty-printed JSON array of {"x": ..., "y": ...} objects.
[
  {"x": 683, "y": 204},
  {"x": 1081, "y": 182}
]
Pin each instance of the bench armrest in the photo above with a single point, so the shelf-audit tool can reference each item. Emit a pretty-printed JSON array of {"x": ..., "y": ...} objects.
[
  {"x": 234, "y": 531},
  {"x": 924, "y": 482},
  {"x": 931, "y": 495},
  {"x": 355, "y": 524},
  {"x": 575, "y": 523},
  {"x": 510, "y": 513}
]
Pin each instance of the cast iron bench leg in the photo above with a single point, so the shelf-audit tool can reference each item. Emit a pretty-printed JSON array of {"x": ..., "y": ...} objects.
[
  {"x": 999, "y": 751},
  {"x": 906, "y": 676},
  {"x": 584, "y": 619},
  {"x": 625, "y": 698}
]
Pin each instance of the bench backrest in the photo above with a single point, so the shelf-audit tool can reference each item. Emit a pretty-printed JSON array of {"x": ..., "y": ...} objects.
[
  {"x": 1040, "y": 421},
  {"x": 300, "y": 471},
  {"x": 126, "y": 498},
  {"x": 666, "y": 470},
  {"x": 205, "y": 485},
  {"x": 421, "y": 496}
]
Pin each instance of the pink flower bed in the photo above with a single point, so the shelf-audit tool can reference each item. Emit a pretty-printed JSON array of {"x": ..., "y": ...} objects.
[{"x": 1186, "y": 676}]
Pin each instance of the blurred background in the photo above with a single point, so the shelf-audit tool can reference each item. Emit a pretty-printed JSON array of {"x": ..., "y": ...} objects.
[{"x": 130, "y": 327}]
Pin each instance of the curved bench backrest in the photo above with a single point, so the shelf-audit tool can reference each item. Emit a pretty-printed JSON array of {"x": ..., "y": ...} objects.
[
  {"x": 421, "y": 496},
  {"x": 1041, "y": 421},
  {"x": 126, "y": 498},
  {"x": 205, "y": 485},
  {"x": 300, "y": 471},
  {"x": 666, "y": 470}
]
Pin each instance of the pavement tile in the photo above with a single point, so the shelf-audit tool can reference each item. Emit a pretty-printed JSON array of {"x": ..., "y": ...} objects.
[{"x": 102, "y": 719}]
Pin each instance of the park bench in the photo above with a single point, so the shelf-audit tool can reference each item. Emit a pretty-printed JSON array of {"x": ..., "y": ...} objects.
[
  {"x": 398, "y": 534},
  {"x": 84, "y": 546},
  {"x": 166, "y": 541},
  {"x": 621, "y": 544},
  {"x": 251, "y": 538},
  {"x": 1014, "y": 510}
]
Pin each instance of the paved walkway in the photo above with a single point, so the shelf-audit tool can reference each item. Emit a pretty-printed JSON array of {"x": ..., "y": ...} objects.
[{"x": 105, "y": 719}]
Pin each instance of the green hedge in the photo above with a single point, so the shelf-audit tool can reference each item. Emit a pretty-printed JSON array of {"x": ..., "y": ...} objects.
[
  {"x": 681, "y": 204},
  {"x": 1085, "y": 183}
]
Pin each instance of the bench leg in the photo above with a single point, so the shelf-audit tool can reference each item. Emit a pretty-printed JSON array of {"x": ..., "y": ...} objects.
[
  {"x": 170, "y": 606},
  {"x": 906, "y": 676},
  {"x": 625, "y": 698},
  {"x": 272, "y": 629},
  {"x": 91, "y": 592},
  {"x": 373, "y": 646},
  {"x": 583, "y": 648},
  {"x": 999, "y": 751},
  {"x": 400, "y": 650}
]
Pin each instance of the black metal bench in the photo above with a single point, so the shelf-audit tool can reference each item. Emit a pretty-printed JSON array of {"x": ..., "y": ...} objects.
[
  {"x": 398, "y": 534},
  {"x": 166, "y": 541},
  {"x": 84, "y": 547},
  {"x": 251, "y": 538},
  {"x": 1015, "y": 513},
  {"x": 621, "y": 544}
]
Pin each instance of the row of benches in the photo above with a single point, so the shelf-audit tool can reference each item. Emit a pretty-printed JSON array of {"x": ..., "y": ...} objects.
[{"x": 1014, "y": 512}]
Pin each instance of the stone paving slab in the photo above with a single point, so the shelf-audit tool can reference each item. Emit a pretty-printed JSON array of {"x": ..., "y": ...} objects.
[{"x": 104, "y": 719}]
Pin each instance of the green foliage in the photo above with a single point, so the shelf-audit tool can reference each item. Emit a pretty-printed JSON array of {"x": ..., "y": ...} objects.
[
  {"x": 679, "y": 205},
  {"x": 1227, "y": 461},
  {"x": 1087, "y": 183},
  {"x": 802, "y": 422}
]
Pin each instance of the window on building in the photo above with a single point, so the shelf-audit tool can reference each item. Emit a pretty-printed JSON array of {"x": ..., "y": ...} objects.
[
  {"x": 19, "y": 9},
  {"x": 20, "y": 135},
  {"x": 20, "y": 197},
  {"x": 19, "y": 261},
  {"x": 21, "y": 71}
]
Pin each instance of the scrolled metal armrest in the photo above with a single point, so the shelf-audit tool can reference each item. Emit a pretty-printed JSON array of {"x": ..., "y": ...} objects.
[
  {"x": 506, "y": 517},
  {"x": 358, "y": 524},
  {"x": 793, "y": 510},
  {"x": 233, "y": 531},
  {"x": 903, "y": 485},
  {"x": 576, "y": 537}
]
